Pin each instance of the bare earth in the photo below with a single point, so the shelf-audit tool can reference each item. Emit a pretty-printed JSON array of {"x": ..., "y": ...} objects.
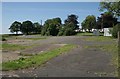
[{"x": 79, "y": 62}]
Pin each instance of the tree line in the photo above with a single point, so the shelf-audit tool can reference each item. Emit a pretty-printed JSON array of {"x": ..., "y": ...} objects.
[
  {"x": 55, "y": 27},
  {"x": 106, "y": 20},
  {"x": 51, "y": 27}
]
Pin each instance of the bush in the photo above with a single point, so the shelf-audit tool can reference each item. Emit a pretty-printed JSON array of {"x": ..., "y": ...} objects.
[
  {"x": 3, "y": 39},
  {"x": 115, "y": 30}
]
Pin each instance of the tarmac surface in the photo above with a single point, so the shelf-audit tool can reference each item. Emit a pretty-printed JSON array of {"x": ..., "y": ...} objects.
[{"x": 78, "y": 62}]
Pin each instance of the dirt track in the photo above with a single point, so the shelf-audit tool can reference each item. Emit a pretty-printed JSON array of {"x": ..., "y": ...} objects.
[{"x": 79, "y": 62}]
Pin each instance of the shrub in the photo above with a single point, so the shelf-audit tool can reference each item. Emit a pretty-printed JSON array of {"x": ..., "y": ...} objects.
[
  {"x": 3, "y": 39},
  {"x": 115, "y": 30}
]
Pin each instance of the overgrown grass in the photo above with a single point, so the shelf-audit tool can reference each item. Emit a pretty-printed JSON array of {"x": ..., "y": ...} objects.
[
  {"x": 12, "y": 47},
  {"x": 99, "y": 38},
  {"x": 35, "y": 60}
]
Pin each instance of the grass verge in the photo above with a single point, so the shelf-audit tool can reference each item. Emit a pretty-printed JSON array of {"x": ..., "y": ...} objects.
[
  {"x": 12, "y": 47},
  {"x": 35, "y": 38},
  {"x": 35, "y": 60},
  {"x": 99, "y": 38}
]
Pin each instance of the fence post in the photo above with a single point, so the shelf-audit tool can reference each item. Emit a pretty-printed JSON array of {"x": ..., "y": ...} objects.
[{"x": 119, "y": 54}]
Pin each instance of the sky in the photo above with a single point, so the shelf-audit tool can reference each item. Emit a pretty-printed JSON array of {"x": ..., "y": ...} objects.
[{"x": 37, "y": 11}]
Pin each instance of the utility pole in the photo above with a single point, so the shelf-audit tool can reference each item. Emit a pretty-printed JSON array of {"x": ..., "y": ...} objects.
[{"x": 41, "y": 22}]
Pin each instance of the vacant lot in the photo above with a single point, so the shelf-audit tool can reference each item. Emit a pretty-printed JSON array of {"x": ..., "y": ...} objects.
[{"x": 91, "y": 56}]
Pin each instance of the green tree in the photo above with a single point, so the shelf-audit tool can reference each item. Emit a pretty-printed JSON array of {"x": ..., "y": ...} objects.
[
  {"x": 51, "y": 27},
  {"x": 99, "y": 23},
  {"x": 71, "y": 24},
  {"x": 72, "y": 19},
  {"x": 106, "y": 20},
  {"x": 89, "y": 23},
  {"x": 83, "y": 25},
  {"x": 113, "y": 7},
  {"x": 15, "y": 27},
  {"x": 37, "y": 28},
  {"x": 27, "y": 27}
]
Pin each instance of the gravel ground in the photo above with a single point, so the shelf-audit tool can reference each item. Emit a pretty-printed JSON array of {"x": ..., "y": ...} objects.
[{"x": 79, "y": 62}]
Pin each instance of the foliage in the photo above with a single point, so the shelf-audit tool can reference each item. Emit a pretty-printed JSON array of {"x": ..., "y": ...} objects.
[
  {"x": 89, "y": 23},
  {"x": 35, "y": 60},
  {"x": 51, "y": 27},
  {"x": 70, "y": 26},
  {"x": 37, "y": 28},
  {"x": 72, "y": 19},
  {"x": 106, "y": 20},
  {"x": 113, "y": 7},
  {"x": 115, "y": 30},
  {"x": 15, "y": 27},
  {"x": 27, "y": 27}
]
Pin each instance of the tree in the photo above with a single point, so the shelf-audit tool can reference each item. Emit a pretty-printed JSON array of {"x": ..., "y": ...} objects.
[
  {"x": 113, "y": 7},
  {"x": 70, "y": 26},
  {"x": 72, "y": 19},
  {"x": 37, "y": 28},
  {"x": 51, "y": 27},
  {"x": 89, "y": 23},
  {"x": 99, "y": 23},
  {"x": 83, "y": 25},
  {"x": 27, "y": 27},
  {"x": 106, "y": 20},
  {"x": 15, "y": 27}
]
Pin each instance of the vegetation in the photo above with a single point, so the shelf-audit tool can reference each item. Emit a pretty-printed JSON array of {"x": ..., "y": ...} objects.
[
  {"x": 35, "y": 38},
  {"x": 89, "y": 23},
  {"x": 113, "y": 7},
  {"x": 27, "y": 27},
  {"x": 35, "y": 60},
  {"x": 70, "y": 26},
  {"x": 12, "y": 47},
  {"x": 115, "y": 30},
  {"x": 15, "y": 27},
  {"x": 51, "y": 27},
  {"x": 99, "y": 38}
]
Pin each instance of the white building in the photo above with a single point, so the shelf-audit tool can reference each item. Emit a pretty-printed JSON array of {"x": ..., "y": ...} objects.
[{"x": 107, "y": 32}]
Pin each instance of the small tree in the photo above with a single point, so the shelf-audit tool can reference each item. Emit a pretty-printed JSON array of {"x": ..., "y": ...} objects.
[
  {"x": 89, "y": 23},
  {"x": 37, "y": 28},
  {"x": 15, "y": 27},
  {"x": 27, "y": 27}
]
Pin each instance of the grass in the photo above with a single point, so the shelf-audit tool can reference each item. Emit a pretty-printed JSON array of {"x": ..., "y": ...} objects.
[
  {"x": 99, "y": 38},
  {"x": 35, "y": 60},
  {"x": 35, "y": 38},
  {"x": 87, "y": 34},
  {"x": 12, "y": 47}
]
